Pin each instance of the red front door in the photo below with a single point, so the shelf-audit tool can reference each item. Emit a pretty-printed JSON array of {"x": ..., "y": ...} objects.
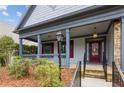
[{"x": 94, "y": 50}]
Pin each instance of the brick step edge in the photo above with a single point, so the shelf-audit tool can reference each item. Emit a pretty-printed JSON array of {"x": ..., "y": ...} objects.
[
  {"x": 96, "y": 71},
  {"x": 109, "y": 78},
  {"x": 102, "y": 74}
]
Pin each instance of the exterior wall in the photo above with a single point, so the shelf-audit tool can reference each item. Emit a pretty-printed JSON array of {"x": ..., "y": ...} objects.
[
  {"x": 109, "y": 46},
  {"x": 79, "y": 49},
  {"x": 7, "y": 29},
  {"x": 45, "y": 12},
  {"x": 113, "y": 43}
]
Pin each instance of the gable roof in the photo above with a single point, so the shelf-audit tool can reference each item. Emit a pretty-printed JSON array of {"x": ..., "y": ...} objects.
[
  {"x": 32, "y": 7},
  {"x": 25, "y": 17}
]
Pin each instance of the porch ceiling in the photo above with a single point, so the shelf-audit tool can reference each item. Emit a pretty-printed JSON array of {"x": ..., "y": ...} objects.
[
  {"x": 90, "y": 29},
  {"x": 78, "y": 31}
]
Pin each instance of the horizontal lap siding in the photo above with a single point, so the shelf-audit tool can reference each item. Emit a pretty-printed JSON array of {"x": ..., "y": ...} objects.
[
  {"x": 79, "y": 49},
  {"x": 110, "y": 47},
  {"x": 45, "y": 12}
]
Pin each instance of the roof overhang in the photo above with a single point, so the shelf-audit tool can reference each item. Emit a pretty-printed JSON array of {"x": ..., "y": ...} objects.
[
  {"x": 61, "y": 19},
  {"x": 100, "y": 28}
]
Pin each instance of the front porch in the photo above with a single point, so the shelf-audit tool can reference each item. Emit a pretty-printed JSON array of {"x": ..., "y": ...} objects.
[
  {"x": 77, "y": 42},
  {"x": 95, "y": 41}
]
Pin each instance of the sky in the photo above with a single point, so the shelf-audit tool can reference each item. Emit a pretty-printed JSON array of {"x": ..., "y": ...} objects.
[{"x": 12, "y": 14}]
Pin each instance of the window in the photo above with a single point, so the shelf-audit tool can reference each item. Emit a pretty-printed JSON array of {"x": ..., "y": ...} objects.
[
  {"x": 47, "y": 48},
  {"x": 63, "y": 48}
]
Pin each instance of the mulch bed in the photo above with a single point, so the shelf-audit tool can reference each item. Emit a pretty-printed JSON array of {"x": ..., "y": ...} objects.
[{"x": 7, "y": 81}]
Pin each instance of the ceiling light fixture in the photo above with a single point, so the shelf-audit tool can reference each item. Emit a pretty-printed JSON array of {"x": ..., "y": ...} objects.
[{"x": 95, "y": 35}]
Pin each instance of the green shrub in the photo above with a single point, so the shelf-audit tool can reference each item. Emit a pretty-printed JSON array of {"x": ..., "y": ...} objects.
[
  {"x": 40, "y": 61},
  {"x": 48, "y": 74},
  {"x": 45, "y": 71},
  {"x": 6, "y": 50},
  {"x": 19, "y": 67}
]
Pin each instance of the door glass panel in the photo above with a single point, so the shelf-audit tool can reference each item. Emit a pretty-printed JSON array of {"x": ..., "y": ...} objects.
[{"x": 94, "y": 49}]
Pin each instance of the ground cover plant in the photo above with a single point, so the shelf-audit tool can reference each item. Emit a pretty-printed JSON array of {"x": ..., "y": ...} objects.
[
  {"x": 30, "y": 72},
  {"x": 19, "y": 67},
  {"x": 47, "y": 73}
]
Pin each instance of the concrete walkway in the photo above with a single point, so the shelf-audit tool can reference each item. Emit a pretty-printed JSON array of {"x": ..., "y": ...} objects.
[{"x": 94, "y": 82}]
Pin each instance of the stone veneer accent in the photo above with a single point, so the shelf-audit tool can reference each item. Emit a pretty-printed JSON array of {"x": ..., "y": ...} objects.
[{"x": 117, "y": 44}]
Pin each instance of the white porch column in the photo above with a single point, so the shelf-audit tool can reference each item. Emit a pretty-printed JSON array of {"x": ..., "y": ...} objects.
[
  {"x": 20, "y": 46},
  {"x": 68, "y": 47},
  {"x": 39, "y": 46},
  {"x": 122, "y": 43}
]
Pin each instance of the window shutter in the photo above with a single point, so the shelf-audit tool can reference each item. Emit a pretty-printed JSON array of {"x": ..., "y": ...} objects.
[{"x": 71, "y": 48}]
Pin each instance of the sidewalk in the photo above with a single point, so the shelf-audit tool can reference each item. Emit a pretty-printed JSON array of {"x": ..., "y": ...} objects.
[{"x": 94, "y": 82}]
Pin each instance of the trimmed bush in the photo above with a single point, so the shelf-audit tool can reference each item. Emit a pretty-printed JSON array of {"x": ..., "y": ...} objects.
[
  {"x": 40, "y": 61},
  {"x": 47, "y": 73},
  {"x": 19, "y": 67},
  {"x": 6, "y": 50}
]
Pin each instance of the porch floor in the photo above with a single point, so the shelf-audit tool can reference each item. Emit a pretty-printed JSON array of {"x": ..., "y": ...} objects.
[{"x": 95, "y": 82}]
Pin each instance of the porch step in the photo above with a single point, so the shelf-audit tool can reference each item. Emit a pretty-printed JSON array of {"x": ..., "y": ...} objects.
[{"x": 97, "y": 74}]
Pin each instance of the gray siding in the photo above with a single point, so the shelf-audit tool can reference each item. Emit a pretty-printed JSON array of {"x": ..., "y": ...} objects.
[
  {"x": 46, "y": 12},
  {"x": 110, "y": 47}
]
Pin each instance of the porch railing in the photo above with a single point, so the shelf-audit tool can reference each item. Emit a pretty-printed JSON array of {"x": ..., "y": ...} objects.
[
  {"x": 84, "y": 64},
  {"x": 29, "y": 56},
  {"x": 76, "y": 80},
  {"x": 117, "y": 76},
  {"x": 42, "y": 55},
  {"x": 53, "y": 57}
]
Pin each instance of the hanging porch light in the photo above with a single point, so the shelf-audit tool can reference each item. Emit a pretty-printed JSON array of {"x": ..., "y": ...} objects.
[{"x": 95, "y": 35}]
